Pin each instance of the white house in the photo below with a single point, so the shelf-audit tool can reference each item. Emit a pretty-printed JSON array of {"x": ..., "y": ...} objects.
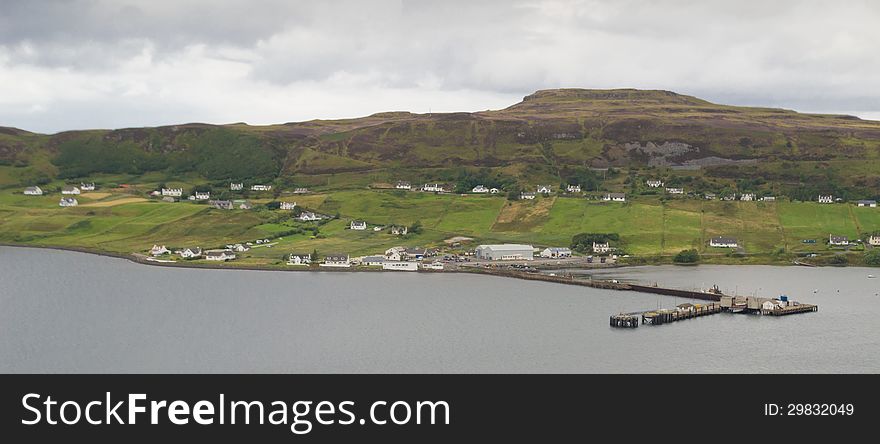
[
  {"x": 768, "y": 199},
  {"x": 556, "y": 252},
  {"x": 240, "y": 248},
  {"x": 615, "y": 197},
  {"x": 867, "y": 203},
  {"x": 68, "y": 202},
  {"x": 723, "y": 242},
  {"x": 675, "y": 190},
  {"x": 771, "y": 304},
  {"x": 747, "y": 197},
  {"x": 874, "y": 240},
  {"x": 480, "y": 189},
  {"x": 436, "y": 265},
  {"x": 395, "y": 253},
  {"x": 826, "y": 199},
  {"x": 70, "y": 190},
  {"x": 544, "y": 189},
  {"x": 378, "y": 228},
  {"x": 601, "y": 247},
  {"x": 158, "y": 250},
  {"x": 299, "y": 259},
  {"x": 433, "y": 187},
  {"x": 287, "y": 205},
  {"x": 308, "y": 216},
  {"x": 261, "y": 187},
  {"x": 358, "y": 225},
  {"x": 399, "y": 230},
  {"x": 33, "y": 191},
  {"x": 190, "y": 253},
  {"x": 654, "y": 183},
  {"x": 403, "y": 185},
  {"x": 300, "y": 190},
  {"x": 87, "y": 186},
  {"x": 336, "y": 260},
  {"x": 236, "y": 186},
  {"x": 527, "y": 196},
  {"x": 221, "y": 255},
  {"x": 710, "y": 196},
  {"x": 838, "y": 240},
  {"x": 173, "y": 192},
  {"x": 400, "y": 266},
  {"x": 573, "y": 188},
  {"x": 202, "y": 195}
]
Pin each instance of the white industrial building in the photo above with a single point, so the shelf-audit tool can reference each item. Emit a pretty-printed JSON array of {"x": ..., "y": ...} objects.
[{"x": 505, "y": 252}]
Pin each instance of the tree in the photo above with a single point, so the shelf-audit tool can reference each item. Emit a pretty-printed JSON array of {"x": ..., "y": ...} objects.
[
  {"x": 416, "y": 227},
  {"x": 872, "y": 257},
  {"x": 583, "y": 242},
  {"x": 687, "y": 257}
]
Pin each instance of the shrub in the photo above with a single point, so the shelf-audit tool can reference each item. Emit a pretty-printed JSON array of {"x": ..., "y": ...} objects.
[{"x": 687, "y": 257}]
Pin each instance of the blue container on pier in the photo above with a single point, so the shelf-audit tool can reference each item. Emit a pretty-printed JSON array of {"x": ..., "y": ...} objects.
[{"x": 783, "y": 298}]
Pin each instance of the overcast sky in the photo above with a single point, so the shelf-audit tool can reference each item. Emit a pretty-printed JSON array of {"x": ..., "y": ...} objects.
[{"x": 74, "y": 64}]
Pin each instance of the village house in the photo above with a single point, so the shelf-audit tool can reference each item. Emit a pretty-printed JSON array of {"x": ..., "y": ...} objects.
[
  {"x": 710, "y": 196},
  {"x": 221, "y": 204},
  {"x": 220, "y": 255},
  {"x": 158, "y": 250},
  {"x": 358, "y": 225},
  {"x": 747, "y": 197},
  {"x": 239, "y": 248},
  {"x": 242, "y": 204},
  {"x": 287, "y": 205},
  {"x": 723, "y": 242},
  {"x": 87, "y": 186},
  {"x": 415, "y": 253},
  {"x": 556, "y": 252},
  {"x": 191, "y": 253},
  {"x": 403, "y": 185},
  {"x": 573, "y": 188},
  {"x": 601, "y": 247},
  {"x": 675, "y": 190},
  {"x": 261, "y": 187},
  {"x": 544, "y": 189},
  {"x": 615, "y": 197},
  {"x": 867, "y": 203},
  {"x": 300, "y": 190},
  {"x": 768, "y": 199},
  {"x": 527, "y": 196},
  {"x": 654, "y": 183},
  {"x": 68, "y": 202},
  {"x": 400, "y": 266},
  {"x": 395, "y": 253},
  {"x": 399, "y": 230},
  {"x": 236, "y": 186},
  {"x": 373, "y": 261},
  {"x": 299, "y": 259},
  {"x": 728, "y": 197},
  {"x": 308, "y": 216},
  {"x": 826, "y": 199},
  {"x": 378, "y": 228},
  {"x": 436, "y": 265},
  {"x": 505, "y": 252},
  {"x": 202, "y": 195},
  {"x": 336, "y": 260},
  {"x": 173, "y": 192},
  {"x": 874, "y": 240},
  {"x": 838, "y": 240},
  {"x": 479, "y": 189},
  {"x": 33, "y": 191},
  {"x": 433, "y": 187},
  {"x": 70, "y": 190}
]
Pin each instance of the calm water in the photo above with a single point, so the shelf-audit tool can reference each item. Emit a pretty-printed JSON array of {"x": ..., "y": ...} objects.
[{"x": 72, "y": 312}]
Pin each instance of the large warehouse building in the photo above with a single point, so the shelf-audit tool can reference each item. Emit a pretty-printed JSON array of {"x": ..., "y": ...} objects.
[{"x": 505, "y": 252}]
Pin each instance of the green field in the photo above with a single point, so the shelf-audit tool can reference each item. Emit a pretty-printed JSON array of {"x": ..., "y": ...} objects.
[{"x": 126, "y": 223}]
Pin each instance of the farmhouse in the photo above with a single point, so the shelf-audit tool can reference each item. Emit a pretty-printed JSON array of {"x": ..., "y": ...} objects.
[
  {"x": 373, "y": 261},
  {"x": 400, "y": 266},
  {"x": 87, "y": 186},
  {"x": 220, "y": 255},
  {"x": 723, "y": 242},
  {"x": 867, "y": 203},
  {"x": 874, "y": 240},
  {"x": 158, "y": 250},
  {"x": 544, "y": 189},
  {"x": 221, "y": 204},
  {"x": 505, "y": 252},
  {"x": 308, "y": 216},
  {"x": 300, "y": 190},
  {"x": 433, "y": 187},
  {"x": 236, "y": 186},
  {"x": 710, "y": 196},
  {"x": 527, "y": 196},
  {"x": 573, "y": 188},
  {"x": 480, "y": 189},
  {"x": 70, "y": 190},
  {"x": 675, "y": 190},
  {"x": 615, "y": 197},
  {"x": 838, "y": 240},
  {"x": 287, "y": 205},
  {"x": 240, "y": 248},
  {"x": 826, "y": 199},
  {"x": 336, "y": 260},
  {"x": 173, "y": 192},
  {"x": 654, "y": 183},
  {"x": 68, "y": 202},
  {"x": 415, "y": 253},
  {"x": 395, "y": 253},
  {"x": 556, "y": 252},
  {"x": 202, "y": 195},
  {"x": 601, "y": 247},
  {"x": 261, "y": 187},
  {"x": 747, "y": 197},
  {"x": 358, "y": 225},
  {"x": 403, "y": 185},
  {"x": 33, "y": 191},
  {"x": 190, "y": 253},
  {"x": 398, "y": 230},
  {"x": 299, "y": 259}
]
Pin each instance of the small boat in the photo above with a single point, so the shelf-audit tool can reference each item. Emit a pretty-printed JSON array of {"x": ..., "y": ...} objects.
[{"x": 871, "y": 276}]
